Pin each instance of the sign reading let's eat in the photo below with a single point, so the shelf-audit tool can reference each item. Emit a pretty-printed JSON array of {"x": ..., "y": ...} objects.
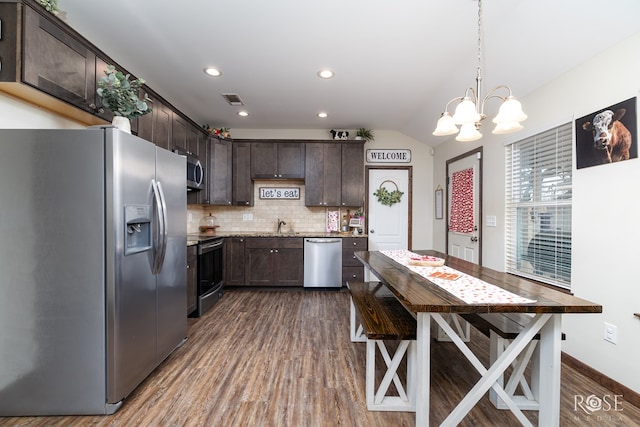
[{"x": 388, "y": 156}]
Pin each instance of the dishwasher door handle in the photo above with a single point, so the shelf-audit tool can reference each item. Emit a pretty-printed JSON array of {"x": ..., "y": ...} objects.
[{"x": 324, "y": 240}]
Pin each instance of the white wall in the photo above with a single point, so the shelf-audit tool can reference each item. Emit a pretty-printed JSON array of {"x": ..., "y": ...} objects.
[
  {"x": 17, "y": 114},
  {"x": 421, "y": 160},
  {"x": 606, "y": 203}
]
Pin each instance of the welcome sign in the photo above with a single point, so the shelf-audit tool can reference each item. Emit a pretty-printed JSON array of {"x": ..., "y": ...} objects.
[{"x": 388, "y": 156}]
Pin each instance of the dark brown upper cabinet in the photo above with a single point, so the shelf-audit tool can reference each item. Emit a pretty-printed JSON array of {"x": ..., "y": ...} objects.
[
  {"x": 42, "y": 55},
  {"x": 242, "y": 185},
  {"x": 352, "y": 186},
  {"x": 277, "y": 160},
  {"x": 322, "y": 174},
  {"x": 220, "y": 172}
]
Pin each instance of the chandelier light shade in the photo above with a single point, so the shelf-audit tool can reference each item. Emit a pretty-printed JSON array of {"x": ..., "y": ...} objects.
[
  {"x": 469, "y": 112},
  {"x": 445, "y": 125}
]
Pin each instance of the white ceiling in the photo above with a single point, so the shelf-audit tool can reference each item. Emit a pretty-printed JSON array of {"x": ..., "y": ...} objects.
[{"x": 397, "y": 63}]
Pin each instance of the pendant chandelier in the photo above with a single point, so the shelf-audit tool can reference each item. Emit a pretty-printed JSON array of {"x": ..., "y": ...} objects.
[{"x": 469, "y": 112}]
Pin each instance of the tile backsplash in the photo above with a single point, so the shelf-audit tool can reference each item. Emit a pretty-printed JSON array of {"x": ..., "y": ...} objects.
[{"x": 264, "y": 215}]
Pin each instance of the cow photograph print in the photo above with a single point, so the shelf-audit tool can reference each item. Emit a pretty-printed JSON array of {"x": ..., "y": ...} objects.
[{"x": 608, "y": 135}]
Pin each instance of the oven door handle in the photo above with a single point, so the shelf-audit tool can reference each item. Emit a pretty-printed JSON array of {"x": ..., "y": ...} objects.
[{"x": 207, "y": 247}]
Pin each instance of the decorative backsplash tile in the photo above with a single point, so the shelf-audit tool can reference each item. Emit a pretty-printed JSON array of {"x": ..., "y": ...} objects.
[{"x": 265, "y": 213}]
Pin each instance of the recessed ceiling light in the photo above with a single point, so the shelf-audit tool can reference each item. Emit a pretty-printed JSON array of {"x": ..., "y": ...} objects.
[
  {"x": 212, "y": 71},
  {"x": 325, "y": 73},
  {"x": 243, "y": 113},
  {"x": 322, "y": 115}
]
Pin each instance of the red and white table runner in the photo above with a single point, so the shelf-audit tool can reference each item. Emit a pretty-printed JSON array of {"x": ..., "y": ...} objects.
[{"x": 469, "y": 289}]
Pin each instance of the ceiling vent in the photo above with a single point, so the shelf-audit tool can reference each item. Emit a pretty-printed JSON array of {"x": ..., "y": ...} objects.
[{"x": 233, "y": 98}]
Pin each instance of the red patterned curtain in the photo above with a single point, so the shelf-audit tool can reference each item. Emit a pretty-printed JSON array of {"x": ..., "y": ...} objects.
[{"x": 461, "y": 218}]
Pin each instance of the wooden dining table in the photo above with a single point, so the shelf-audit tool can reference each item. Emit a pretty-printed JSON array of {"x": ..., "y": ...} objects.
[{"x": 428, "y": 301}]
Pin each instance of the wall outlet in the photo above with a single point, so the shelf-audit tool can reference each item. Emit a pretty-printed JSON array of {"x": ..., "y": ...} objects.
[
  {"x": 247, "y": 217},
  {"x": 610, "y": 333}
]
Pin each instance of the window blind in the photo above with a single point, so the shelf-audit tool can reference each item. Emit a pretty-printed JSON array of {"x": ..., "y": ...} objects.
[{"x": 538, "y": 206}]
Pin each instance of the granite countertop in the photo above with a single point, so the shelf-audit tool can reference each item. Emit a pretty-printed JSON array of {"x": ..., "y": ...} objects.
[{"x": 196, "y": 237}]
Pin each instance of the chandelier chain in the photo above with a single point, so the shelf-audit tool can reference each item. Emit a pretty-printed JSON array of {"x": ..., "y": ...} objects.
[
  {"x": 469, "y": 113},
  {"x": 479, "y": 73}
]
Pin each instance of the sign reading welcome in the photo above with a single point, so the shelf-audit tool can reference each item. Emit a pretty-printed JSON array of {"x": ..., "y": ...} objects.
[{"x": 388, "y": 156}]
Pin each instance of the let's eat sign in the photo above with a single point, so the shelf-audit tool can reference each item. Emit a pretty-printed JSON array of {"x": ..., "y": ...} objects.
[
  {"x": 388, "y": 156},
  {"x": 279, "y": 193}
]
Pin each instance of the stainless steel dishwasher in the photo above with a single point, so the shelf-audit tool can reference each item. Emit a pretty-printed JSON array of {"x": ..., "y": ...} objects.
[{"x": 322, "y": 262}]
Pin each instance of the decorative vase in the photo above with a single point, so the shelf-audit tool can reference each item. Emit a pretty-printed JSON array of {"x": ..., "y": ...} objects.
[{"x": 122, "y": 123}]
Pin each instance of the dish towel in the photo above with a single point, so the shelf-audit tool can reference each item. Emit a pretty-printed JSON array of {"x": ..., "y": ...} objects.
[{"x": 468, "y": 288}]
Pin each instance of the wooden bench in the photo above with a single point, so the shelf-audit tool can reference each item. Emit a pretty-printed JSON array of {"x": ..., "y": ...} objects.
[
  {"x": 501, "y": 328},
  {"x": 383, "y": 318}
]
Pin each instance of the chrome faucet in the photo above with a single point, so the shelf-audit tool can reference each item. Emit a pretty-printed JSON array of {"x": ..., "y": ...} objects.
[{"x": 280, "y": 224}]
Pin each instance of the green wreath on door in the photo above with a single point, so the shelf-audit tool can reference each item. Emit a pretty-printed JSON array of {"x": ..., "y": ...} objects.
[{"x": 386, "y": 197}]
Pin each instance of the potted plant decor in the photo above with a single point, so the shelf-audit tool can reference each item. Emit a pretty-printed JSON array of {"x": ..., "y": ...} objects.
[
  {"x": 120, "y": 95},
  {"x": 365, "y": 134},
  {"x": 50, "y": 6}
]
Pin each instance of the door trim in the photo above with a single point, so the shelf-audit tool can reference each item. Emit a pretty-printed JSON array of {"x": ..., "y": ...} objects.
[
  {"x": 473, "y": 152},
  {"x": 409, "y": 170}
]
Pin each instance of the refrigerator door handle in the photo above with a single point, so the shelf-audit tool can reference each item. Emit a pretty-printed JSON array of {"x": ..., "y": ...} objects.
[
  {"x": 160, "y": 244},
  {"x": 165, "y": 227}
]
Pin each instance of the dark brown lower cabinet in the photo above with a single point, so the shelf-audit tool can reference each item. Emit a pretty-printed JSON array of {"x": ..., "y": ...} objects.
[
  {"x": 234, "y": 261},
  {"x": 274, "y": 261},
  {"x": 192, "y": 278},
  {"x": 352, "y": 268}
]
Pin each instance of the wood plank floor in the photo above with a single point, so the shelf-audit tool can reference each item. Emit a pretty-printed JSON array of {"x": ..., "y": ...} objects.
[{"x": 284, "y": 358}]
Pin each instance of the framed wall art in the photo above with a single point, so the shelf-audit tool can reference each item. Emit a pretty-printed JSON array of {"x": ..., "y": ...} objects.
[
  {"x": 438, "y": 203},
  {"x": 608, "y": 135}
]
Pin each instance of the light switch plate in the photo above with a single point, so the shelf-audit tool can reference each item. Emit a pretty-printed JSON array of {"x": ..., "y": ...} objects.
[
  {"x": 610, "y": 333},
  {"x": 491, "y": 221}
]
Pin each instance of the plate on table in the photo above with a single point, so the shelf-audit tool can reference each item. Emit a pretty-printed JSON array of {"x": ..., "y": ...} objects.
[{"x": 426, "y": 261}]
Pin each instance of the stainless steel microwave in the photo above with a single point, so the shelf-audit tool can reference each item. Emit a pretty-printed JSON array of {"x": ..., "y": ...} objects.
[{"x": 195, "y": 170}]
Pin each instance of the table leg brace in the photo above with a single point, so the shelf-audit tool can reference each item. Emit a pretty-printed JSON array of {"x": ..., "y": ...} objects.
[
  {"x": 490, "y": 376},
  {"x": 378, "y": 400}
]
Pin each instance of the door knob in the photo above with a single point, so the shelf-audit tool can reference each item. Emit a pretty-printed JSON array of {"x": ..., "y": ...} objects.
[
  {"x": 474, "y": 239},
  {"x": 371, "y": 231}
]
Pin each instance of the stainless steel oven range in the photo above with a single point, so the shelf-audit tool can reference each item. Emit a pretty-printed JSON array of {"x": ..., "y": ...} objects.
[{"x": 210, "y": 273}]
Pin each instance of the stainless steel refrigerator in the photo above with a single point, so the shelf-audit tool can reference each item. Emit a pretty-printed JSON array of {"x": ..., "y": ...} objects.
[{"x": 92, "y": 267}]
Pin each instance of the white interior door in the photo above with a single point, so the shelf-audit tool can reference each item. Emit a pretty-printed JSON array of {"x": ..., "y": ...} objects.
[
  {"x": 388, "y": 225},
  {"x": 463, "y": 206}
]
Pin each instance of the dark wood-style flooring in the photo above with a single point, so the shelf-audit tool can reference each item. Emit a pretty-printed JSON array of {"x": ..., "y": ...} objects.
[{"x": 284, "y": 358}]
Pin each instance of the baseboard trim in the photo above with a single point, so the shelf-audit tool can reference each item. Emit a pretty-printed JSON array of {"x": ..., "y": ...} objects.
[{"x": 615, "y": 387}]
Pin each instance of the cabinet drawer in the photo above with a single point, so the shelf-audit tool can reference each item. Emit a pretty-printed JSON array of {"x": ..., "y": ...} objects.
[
  {"x": 351, "y": 245},
  {"x": 354, "y": 274},
  {"x": 275, "y": 242},
  {"x": 354, "y": 243}
]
